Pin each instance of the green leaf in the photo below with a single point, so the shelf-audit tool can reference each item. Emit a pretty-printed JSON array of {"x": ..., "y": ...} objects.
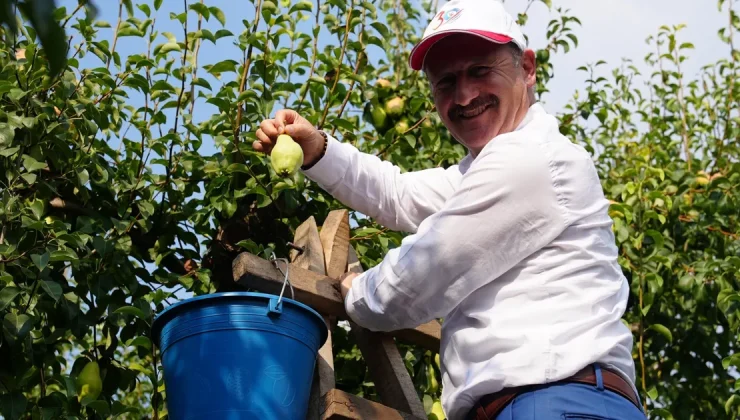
[
  {"x": 733, "y": 360},
  {"x": 29, "y": 178},
  {"x": 223, "y": 67},
  {"x": 656, "y": 237},
  {"x": 66, "y": 254},
  {"x": 140, "y": 341},
  {"x": 40, "y": 260},
  {"x": 303, "y": 5},
  {"x": 9, "y": 151},
  {"x": 5, "y": 277},
  {"x": 215, "y": 11},
  {"x": 32, "y": 164},
  {"x": 37, "y": 208},
  {"x": 730, "y": 403},
  {"x": 201, "y": 9},
  {"x": 157, "y": 4},
  {"x": 18, "y": 324},
  {"x": 662, "y": 330},
  {"x": 6, "y": 135},
  {"x": 13, "y": 405},
  {"x": 249, "y": 245},
  {"x": 101, "y": 245},
  {"x": 83, "y": 176},
  {"x": 202, "y": 82},
  {"x": 7, "y": 294},
  {"x": 100, "y": 406},
  {"x": 146, "y": 208},
  {"x": 52, "y": 288},
  {"x": 168, "y": 47},
  {"x": 653, "y": 393},
  {"x": 661, "y": 413},
  {"x": 131, "y": 310},
  {"x": 52, "y": 35}
]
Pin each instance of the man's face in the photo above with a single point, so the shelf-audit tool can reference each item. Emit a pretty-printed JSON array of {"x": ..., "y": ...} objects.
[{"x": 478, "y": 88}]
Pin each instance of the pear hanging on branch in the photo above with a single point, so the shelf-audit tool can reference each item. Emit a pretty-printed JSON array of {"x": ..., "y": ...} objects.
[{"x": 89, "y": 383}]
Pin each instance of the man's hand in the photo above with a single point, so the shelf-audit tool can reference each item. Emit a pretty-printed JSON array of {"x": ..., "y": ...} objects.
[
  {"x": 288, "y": 122},
  {"x": 346, "y": 283}
]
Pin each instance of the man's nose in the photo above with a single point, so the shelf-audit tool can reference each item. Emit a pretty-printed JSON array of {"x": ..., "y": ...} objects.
[{"x": 465, "y": 92}]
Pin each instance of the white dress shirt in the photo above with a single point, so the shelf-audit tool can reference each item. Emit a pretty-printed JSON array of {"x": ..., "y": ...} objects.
[{"x": 514, "y": 249}]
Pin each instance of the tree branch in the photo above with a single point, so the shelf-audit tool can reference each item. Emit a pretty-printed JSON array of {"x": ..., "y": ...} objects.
[
  {"x": 243, "y": 81},
  {"x": 313, "y": 58},
  {"x": 115, "y": 35},
  {"x": 360, "y": 56},
  {"x": 341, "y": 58}
]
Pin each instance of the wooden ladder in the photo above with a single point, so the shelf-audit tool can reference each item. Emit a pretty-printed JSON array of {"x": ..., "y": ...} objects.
[{"x": 318, "y": 260}]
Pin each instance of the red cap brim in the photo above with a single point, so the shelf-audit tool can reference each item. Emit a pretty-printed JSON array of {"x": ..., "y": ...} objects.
[{"x": 420, "y": 50}]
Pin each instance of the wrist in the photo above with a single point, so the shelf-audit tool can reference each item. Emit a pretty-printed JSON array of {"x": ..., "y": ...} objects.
[{"x": 322, "y": 151}]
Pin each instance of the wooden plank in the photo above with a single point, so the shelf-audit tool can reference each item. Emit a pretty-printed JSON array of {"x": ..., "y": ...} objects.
[
  {"x": 335, "y": 241},
  {"x": 325, "y": 362},
  {"x": 426, "y": 335},
  {"x": 313, "y": 289},
  {"x": 312, "y": 259},
  {"x": 340, "y": 405},
  {"x": 385, "y": 364},
  {"x": 324, "y": 377},
  {"x": 318, "y": 292}
]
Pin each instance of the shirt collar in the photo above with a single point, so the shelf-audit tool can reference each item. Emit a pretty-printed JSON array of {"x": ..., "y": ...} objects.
[{"x": 534, "y": 110}]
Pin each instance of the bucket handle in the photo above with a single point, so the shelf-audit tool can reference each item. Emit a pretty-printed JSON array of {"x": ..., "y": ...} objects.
[{"x": 274, "y": 307}]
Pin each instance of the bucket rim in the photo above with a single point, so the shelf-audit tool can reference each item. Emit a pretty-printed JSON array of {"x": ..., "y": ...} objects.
[{"x": 164, "y": 316}]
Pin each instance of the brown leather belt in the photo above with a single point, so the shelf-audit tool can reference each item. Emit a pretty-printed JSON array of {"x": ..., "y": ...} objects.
[{"x": 489, "y": 406}]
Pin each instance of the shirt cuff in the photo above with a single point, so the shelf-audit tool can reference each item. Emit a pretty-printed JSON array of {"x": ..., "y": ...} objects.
[
  {"x": 330, "y": 169},
  {"x": 354, "y": 302}
]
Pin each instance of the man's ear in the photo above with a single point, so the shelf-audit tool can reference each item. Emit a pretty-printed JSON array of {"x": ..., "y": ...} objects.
[{"x": 529, "y": 66}]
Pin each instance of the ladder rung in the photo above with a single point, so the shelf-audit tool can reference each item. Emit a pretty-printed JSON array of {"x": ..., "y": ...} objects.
[{"x": 340, "y": 405}]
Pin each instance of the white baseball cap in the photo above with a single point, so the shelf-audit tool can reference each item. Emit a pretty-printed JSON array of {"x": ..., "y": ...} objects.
[{"x": 484, "y": 18}]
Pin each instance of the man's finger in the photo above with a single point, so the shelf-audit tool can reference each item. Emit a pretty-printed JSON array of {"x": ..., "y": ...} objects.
[
  {"x": 269, "y": 128},
  {"x": 285, "y": 117},
  {"x": 262, "y": 137},
  {"x": 258, "y": 146}
]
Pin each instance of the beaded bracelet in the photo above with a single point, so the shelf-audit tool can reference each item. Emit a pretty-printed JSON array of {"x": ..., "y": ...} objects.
[{"x": 323, "y": 151}]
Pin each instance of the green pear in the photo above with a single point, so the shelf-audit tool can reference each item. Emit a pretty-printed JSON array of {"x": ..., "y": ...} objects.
[
  {"x": 394, "y": 106},
  {"x": 89, "y": 383},
  {"x": 402, "y": 126},
  {"x": 433, "y": 384},
  {"x": 437, "y": 412},
  {"x": 374, "y": 113},
  {"x": 286, "y": 156}
]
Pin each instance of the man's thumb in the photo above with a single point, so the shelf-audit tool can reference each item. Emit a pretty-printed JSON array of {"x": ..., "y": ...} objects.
[{"x": 297, "y": 131}]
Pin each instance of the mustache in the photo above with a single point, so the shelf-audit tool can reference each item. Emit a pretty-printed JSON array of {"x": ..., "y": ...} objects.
[{"x": 458, "y": 111}]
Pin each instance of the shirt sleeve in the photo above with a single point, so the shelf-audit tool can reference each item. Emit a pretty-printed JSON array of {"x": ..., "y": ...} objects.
[
  {"x": 378, "y": 189},
  {"x": 506, "y": 208}
]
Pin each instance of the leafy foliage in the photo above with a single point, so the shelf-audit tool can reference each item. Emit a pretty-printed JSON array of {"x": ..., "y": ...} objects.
[{"x": 130, "y": 182}]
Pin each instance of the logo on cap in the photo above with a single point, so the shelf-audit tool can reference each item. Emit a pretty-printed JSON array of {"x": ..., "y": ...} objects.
[{"x": 446, "y": 16}]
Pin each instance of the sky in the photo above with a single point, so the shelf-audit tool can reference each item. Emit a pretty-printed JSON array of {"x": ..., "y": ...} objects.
[{"x": 615, "y": 29}]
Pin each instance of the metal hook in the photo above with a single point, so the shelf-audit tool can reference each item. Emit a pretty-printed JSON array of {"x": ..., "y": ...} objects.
[
  {"x": 298, "y": 248},
  {"x": 285, "y": 280}
]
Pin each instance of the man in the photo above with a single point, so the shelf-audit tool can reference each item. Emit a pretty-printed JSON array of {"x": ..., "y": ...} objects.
[{"x": 512, "y": 247}]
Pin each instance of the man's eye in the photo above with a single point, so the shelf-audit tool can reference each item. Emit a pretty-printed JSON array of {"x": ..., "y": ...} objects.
[
  {"x": 480, "y": 70},
  {"x": 447, "y": 81}
]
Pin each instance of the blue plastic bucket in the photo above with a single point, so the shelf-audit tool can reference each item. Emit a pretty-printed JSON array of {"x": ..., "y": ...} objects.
[{"x": 238, "y": 355}]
